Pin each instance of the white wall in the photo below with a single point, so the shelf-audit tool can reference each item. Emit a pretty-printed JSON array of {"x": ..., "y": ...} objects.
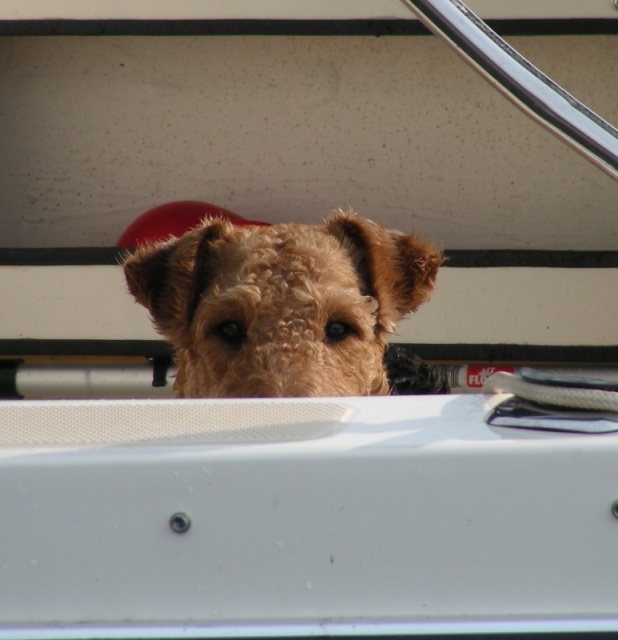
[
  {"x": 534, "y": 306},
  {"x": 286, "y": 9},
  {"x": 97, "y": 130}
]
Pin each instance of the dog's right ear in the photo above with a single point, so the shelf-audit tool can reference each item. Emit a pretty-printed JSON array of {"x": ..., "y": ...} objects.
[
  {"x": 398, "y": 270},
  {"x": 169, "y": 278}
]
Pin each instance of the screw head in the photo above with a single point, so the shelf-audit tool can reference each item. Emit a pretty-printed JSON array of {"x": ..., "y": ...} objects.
[
  {"x": 180, "y": 522},
  {"x": 614, "y": 508}
]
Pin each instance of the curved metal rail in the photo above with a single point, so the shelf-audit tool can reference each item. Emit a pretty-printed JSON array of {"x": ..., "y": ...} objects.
[{"x": 520, "y": 81}]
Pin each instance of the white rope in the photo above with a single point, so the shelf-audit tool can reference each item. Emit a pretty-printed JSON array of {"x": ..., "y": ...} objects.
[{"x": 594, "y": 399}]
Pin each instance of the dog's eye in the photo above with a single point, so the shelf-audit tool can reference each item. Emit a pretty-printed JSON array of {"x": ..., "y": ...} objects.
[
  {"x": 231, "y": 332},
  {"x": 337, "y": 331}
]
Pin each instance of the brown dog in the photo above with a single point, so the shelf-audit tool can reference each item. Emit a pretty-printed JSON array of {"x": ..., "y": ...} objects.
[{"x": 285, "y": 310}]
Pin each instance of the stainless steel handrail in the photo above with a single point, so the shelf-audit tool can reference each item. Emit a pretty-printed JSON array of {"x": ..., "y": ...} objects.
[{"x": 520, "y": 81}]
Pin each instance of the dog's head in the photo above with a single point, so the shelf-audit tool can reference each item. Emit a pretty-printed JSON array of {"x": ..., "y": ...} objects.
[{"x": 285, "y": 310}]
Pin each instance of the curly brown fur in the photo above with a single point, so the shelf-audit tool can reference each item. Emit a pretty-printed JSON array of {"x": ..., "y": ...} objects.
[{"x": 285, "y": 310}]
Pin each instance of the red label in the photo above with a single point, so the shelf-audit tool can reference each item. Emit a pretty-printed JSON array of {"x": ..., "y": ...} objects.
[{"x": 476, "y": 376}]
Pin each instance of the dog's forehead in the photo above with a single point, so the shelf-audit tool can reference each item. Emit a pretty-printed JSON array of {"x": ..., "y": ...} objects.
[
  {"x": 285, "y": 237},
  {"x": 268, "y": 255}
]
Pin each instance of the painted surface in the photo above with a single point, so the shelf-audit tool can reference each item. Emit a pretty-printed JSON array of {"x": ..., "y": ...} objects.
[
  {"x": 475, "y": 306},
  {"x": 285, "y": 9},
  {"x": 98, "y": 130},
  {"x": 417, "y": 514}
]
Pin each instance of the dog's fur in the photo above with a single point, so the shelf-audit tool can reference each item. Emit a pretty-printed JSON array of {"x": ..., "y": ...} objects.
[{"x": 285, "y": 310}]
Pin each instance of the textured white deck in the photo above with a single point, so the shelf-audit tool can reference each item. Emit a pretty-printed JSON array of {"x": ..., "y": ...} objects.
[{"x": 415, "y": 517}]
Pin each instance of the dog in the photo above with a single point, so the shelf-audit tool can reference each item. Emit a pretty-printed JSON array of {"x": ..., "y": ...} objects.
[{"x": 288, "y": 310}]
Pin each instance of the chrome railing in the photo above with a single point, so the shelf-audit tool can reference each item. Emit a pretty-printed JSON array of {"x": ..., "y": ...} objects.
[{"x": 520, "y": 81}]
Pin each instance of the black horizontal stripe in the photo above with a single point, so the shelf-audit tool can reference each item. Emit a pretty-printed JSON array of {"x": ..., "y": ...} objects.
[
  {"x": 455, "y": 258},
  {"x": 48, "y": 257},
  {"x": 353, "y": 27},
  {"x": 516, "y": 353},
  {"x": 466, "y": 353},
  {"x": 119, "y": 348},
  {"x": 527, "y": 258}
]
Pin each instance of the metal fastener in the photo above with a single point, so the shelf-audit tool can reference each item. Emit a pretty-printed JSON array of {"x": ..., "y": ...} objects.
[
  {"x": 615, "y": 508},
  {"x": 180, "y": 522}
]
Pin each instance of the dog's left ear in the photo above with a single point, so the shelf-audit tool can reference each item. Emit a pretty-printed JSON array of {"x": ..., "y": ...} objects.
[
  {"x": 398, "y": 270},
  {"x": 169, "y": 278}
]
